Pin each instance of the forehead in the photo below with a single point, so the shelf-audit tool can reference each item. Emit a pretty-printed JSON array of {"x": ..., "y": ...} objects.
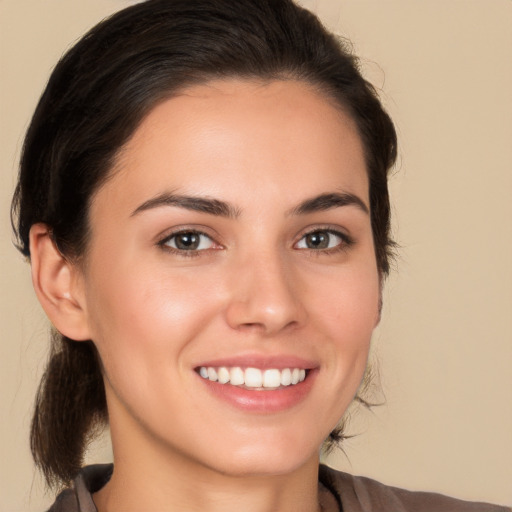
[{"x": 235, "y": 137}]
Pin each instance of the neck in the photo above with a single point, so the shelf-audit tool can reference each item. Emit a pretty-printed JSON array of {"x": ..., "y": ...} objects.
[
  {"x": 150, "y": 476},
  {"x": 168, "y": 487}
]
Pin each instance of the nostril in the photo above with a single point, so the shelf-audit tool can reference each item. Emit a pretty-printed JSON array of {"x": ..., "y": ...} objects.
[
  {"x": 251, "y": 326},
  {"x": 268, "y": 308}
]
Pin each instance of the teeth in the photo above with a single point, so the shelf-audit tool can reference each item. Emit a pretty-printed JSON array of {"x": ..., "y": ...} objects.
[
  {"x": 286, "y": 377},
  {"x": 223, "y": 375},
  {"x": 271, "y": 378},
  {"x": 253, "y": 377},
  {"x": 236, "y": 376}
]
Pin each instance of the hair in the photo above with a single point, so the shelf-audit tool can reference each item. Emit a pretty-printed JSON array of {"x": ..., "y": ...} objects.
[{"x": 96, "y": 98}]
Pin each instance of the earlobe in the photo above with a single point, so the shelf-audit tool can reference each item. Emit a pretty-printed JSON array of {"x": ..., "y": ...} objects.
[{"x": 57, "y": 285}]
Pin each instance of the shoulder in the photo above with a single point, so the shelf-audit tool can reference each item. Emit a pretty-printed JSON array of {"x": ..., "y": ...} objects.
[
  {"x": 78, "y": 498},
  {"x": 66, "y": 502},
  {"x": 361, "y": 494}
]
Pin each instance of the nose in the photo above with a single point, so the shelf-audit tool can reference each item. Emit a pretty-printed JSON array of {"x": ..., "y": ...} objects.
[{"x": 265, "y": 296}]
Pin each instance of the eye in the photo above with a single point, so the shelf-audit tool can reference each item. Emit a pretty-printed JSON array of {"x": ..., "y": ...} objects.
[
  {"x": 323, "y": 239},
  {"x": 188, "y": 241}
]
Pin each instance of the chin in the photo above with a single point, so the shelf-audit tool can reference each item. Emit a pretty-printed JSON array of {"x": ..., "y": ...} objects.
[{"x": 266, "y": 458}]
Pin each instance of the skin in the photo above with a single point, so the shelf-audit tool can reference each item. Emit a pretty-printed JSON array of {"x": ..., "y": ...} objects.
[{"x": 256, "y": 289}]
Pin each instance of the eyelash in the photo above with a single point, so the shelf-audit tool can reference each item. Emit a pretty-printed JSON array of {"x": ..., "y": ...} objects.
[
  {"x": 191, "y": 253},
  {"x": 345, "y": 243}
]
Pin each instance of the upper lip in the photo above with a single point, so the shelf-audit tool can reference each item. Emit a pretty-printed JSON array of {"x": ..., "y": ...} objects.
[{"x": 279, "y": 362}]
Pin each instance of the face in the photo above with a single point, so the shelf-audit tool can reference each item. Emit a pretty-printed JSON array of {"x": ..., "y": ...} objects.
[{"x": 231, "y": 255}]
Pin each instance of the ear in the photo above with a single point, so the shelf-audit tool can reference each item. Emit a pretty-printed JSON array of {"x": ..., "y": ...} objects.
[{"x": 58, "y": 285}]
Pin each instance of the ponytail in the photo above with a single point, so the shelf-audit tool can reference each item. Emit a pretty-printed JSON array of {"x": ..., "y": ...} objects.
[{"x": 70, "y": 408}]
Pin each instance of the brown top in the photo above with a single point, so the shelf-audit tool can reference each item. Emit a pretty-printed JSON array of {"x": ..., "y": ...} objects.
[{"x": 338, "y": 492}]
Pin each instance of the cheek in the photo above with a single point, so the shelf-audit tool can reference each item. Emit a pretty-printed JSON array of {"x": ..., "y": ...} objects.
[
  {"x": 346, "y": 313},
  {"x": 136, "y": 317},
  {"x": 347, "y": 303}
]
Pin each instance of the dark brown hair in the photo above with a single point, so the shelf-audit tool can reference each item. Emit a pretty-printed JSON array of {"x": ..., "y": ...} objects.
[{"x": 95, "y": 99}]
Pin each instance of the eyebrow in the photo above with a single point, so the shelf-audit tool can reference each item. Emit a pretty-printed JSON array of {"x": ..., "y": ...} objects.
[
  {"x": 327, "y": 202},
  {"x": 220, "y": 208},
  {"x": 197, "y": 204}
]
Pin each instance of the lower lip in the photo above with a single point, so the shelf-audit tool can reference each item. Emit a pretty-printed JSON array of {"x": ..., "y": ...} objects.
[{"x": 260, "y": 401}]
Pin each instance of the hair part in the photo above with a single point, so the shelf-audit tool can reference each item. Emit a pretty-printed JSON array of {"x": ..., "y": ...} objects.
[{"x": 96, "y": 98}]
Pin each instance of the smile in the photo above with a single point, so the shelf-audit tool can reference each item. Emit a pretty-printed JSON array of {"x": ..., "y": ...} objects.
[{"x": 253, "y": 378}]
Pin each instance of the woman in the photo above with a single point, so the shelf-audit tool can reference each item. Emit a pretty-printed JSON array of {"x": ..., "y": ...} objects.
[{"x": 203, "y": 197}]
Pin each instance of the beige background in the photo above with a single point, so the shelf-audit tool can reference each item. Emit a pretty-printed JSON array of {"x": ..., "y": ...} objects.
[{"x": 445, "y": 343}]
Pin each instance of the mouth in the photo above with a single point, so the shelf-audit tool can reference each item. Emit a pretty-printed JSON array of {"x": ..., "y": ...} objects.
[
  {"x": 260, "y": 384},
  {"x": 254, "y": 379}
]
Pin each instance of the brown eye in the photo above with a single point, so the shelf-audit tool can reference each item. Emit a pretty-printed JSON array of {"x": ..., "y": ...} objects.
[
  {"x": 322, "y": 239},
  {"x": 189, "y": 241},
  {"x": 317, "y": 240}
]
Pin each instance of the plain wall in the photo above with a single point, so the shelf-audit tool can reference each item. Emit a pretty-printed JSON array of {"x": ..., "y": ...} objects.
[{"x": 444, "y": 346}]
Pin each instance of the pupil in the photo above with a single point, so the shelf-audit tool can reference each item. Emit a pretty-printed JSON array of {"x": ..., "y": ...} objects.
[
  {"x": 317, "y": 240},
  {"x": 187, "y": 241}
]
